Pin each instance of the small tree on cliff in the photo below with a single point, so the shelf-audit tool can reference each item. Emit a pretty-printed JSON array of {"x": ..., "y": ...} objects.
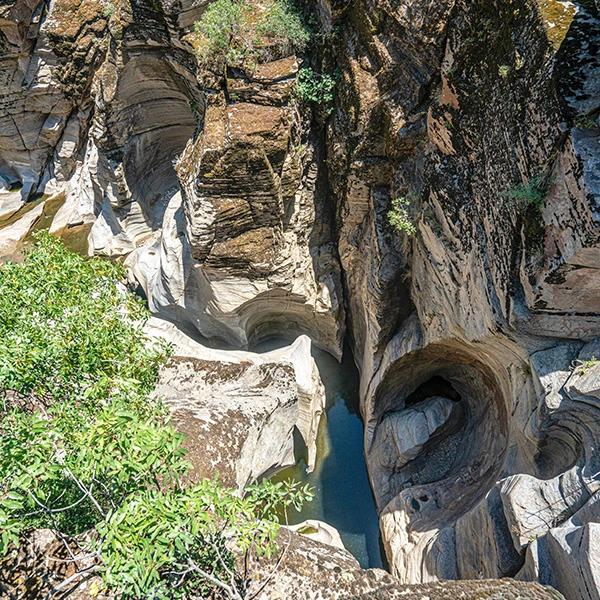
[
  {"x": 230, "y": 33},
  {"x": 224, "y": 35}
]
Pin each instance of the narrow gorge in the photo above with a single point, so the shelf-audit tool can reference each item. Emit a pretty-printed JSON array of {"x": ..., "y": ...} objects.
[{"x": 371, "y": 239}]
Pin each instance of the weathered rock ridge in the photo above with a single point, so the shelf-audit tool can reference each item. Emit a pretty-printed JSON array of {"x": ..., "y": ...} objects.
[
  {"x": 245, "y": 215},
  {"x": 309, "y": 570}
]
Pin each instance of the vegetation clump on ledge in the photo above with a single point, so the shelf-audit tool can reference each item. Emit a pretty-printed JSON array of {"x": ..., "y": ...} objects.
[
  {"x": 530, "y": 193},
  {"x": 229, "y": 33},
  {"x": 84, "y": 447},
  {"x": 315, "y": 88},
  {"x": 399, "y": 218}
]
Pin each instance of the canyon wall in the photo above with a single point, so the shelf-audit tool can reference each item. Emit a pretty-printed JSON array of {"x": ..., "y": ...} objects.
[
  {"x": 476, "y": 336},
  {"x": 243, "y": 213}
]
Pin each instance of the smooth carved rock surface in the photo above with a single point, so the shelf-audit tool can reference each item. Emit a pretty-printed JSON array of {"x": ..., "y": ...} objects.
[
  {"x": 239, "y": 411},
  {"x": 319, "y": 531},
  {"x": 401, "y": 435},
  {"x": 108, "y": 111},
  {"x": 44, "y": 98},
  {"x": 257, "y": 245}
]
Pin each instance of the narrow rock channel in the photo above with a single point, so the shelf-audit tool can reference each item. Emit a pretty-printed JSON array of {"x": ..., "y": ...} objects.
[{"x": 343, "y": 496}]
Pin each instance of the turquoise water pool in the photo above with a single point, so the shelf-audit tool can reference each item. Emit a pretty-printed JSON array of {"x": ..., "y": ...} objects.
[{"x": 343, "y": 495}]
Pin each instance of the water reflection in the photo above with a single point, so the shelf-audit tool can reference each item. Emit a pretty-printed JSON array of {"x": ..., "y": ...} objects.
[{"x": 343, "y": 495}]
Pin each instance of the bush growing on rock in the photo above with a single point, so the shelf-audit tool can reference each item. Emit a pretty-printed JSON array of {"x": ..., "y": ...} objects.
[
  {"x": 529, "y": 193},
  {"x": 84, "y": 447},
  {"x": 230, "y": 34},
  {"x": 282, "y": 23},
  {"x": 224, "y": 32},
  {"x": 399, "y": 218},
  {"x": 315, "y": 88}
]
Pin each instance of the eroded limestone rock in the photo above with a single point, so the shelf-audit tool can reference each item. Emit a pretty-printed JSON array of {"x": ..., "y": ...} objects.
[
  {"x": 241, "y": 413},
  {"x": 466, "y": 110}
]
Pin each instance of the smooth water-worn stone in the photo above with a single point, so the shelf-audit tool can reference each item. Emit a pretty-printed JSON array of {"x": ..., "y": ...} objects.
[{"x": 241, "y": 413}]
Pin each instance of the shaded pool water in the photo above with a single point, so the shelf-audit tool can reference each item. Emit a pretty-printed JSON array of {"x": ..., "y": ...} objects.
[{"x": 343, "y": 496}]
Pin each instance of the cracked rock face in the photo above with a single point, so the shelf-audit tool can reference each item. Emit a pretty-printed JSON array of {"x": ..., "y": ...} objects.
[
  {"x": 108, "y": 110},
  {"x": 253, "y": 242},
  {"x": 312, "y": 570},
  {"x": 43, "y": 98}
]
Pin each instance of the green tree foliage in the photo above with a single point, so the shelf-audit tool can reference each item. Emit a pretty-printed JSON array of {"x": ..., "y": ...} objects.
[
  {"x": 224, "y": 32},
  {"x": 83, "y": 446},
  {"x": 67, "y": 330},
  {"x": 529, "y": 193},
  {"x": 230, "y": 33},
  {"x": 180, "y": 541},
  {"x": 282, "y": 24}
]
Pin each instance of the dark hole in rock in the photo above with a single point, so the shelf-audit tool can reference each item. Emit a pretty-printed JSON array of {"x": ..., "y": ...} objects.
[
  {"x": 436, "y": 386},
  {"x": 424, "y": 498},
  {"x": 415, "y": 504}
]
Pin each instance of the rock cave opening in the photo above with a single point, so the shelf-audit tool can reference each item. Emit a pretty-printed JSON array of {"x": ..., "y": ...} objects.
[
  {"x": 438, "y": 431},
  {"x": 436, "y": 386}
]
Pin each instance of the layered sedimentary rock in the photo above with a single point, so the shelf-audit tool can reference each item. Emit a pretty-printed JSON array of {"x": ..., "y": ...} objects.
[
  {"x": 44, "y": 95},
  {"x": 246, "y": 250},
  {"x": 146, "y": 106},
  {"x": 114, "y": 117}
]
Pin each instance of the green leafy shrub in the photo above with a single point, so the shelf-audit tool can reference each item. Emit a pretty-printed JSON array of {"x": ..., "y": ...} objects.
[
  {"x": 530, "y": 193},
  {"x": 504, "y": 71},
  {"x": 229, "y": 34},
  {"x": 223, "y": 31},
  {"x": 84, "y": 446},
  {"x": 68, "y": 329},
  {"x": 584, "y": 121},
  {"x": 399, "y": 218},
  {"x": 154, "y": 538},
  {"x": 109, "y": 10},
  {"x": 314, "y": 87},
  {"x": 584, "y": 366},
  {"x": 282, "y": 23}
]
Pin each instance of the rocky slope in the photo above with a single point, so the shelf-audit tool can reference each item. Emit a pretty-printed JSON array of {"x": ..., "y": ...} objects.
[{"x": 244, "y": 215}]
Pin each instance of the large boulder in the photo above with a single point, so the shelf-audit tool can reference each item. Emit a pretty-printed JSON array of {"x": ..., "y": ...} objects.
[{"x": 243, "y": 415}]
